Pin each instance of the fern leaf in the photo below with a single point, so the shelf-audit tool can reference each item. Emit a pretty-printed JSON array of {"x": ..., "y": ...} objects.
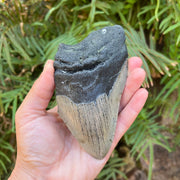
[
  {"x": 1, "y": 43},
  {"x": 151, "y": 160},
  {"x": 36, "y": 45},
  {"x": 3, "y": 165},
  {"x": 14, "y": 112},
  {"x": 165, "y": 9},
  {"x": 165, "y": 22},
  {"x": 17, "y": 46},
  {"x": 5, "y": 156},
  {"x": 172, "y": 28},
  {"x": 7, "y": 54},
  {"x": 54, "y": 9}
]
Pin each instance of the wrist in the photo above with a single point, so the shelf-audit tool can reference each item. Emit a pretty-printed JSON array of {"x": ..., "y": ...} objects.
[{"x": 19, "y": 173}]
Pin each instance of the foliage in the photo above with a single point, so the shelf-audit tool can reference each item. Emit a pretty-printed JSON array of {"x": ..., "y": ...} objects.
[
  {"x": 144, "y": 134},
  {"x": 112, "y": 168},
  {"x": 30, "y": 31},
  {"x": 171, "y": 86},
  {"x": 6, "y": 149},
  {"x": 137, "y": 46},
  {"x": 166, "y": 17}
]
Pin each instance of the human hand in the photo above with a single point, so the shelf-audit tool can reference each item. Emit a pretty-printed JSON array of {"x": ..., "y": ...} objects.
[{"x": 45, "y": 147}]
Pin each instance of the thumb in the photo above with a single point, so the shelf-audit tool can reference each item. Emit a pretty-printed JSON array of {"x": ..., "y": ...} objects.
[{"x": 41, "y": 92}]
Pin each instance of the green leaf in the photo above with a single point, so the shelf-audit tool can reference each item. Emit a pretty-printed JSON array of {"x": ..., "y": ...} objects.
[
  {"x": 7, "y": 55},
  {"x": 156, "y": 10},
  {"x": 103, "y": 6},
  {"x": 178, "y": 40},
  {"x": 145, "y": 9},
  {"x": 17, "y": 45},
  {"x": 54, "y": 9},
  {"x": 35, "y": 43},
  {"x": 120, "y": 173},
  {"x": 151, "y": 156},
  {"x": 173, "y": 109},
  {"x": 101, "y": 24},
  {"x": 171, "y": 89},
  {"x": 3, "y": 165},
  {"x": 142, "y": 151},
  {"x": 92, "y": 12},
  {"x": 158, "y": 14},
  {"x": 162, "y": 145},
  {"x": 1, "y": 43},
  {"x": 168, "y": 85},
  {"x": 6, "y": 145},
  {"x": 5, "y": 156},
  {"x": 14, "y": 112},
  {"x": 83, "y": 7},
  {"x": 165, "y": 22},
  {"x": 32, "y": 50},
  {"x": 172, "y": 28}
]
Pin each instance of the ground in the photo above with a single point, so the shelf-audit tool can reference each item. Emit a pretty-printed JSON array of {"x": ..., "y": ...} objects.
[{"x": 166, "y": 166}]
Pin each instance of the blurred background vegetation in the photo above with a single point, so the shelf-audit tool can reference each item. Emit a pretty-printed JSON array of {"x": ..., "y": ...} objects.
[{"x": 30, "y": 32}]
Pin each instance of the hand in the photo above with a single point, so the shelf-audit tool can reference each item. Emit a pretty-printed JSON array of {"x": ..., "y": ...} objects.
[{"x": 45, "y": 147}]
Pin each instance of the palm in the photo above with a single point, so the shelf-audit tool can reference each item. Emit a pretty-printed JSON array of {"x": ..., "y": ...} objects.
[
  {"x": 44, "y": 142},
  {"x": 52, "y": 145}
]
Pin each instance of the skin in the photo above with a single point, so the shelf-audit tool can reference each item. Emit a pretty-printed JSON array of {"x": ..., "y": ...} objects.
[{"x": 45, "y": 147}]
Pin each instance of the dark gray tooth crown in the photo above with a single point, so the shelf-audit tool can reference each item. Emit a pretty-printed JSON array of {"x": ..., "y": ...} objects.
[{"x": 88, "y": 69}]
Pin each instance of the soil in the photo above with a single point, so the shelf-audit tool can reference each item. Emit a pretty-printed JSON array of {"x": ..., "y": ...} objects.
[{"x": 166, "y": 165}]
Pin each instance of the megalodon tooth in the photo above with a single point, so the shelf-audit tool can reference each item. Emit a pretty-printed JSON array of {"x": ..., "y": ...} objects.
[{"x": 90, "y": 77}]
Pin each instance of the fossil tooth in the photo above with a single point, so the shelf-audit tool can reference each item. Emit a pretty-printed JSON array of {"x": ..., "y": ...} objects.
[{"x": 90, "y": 77}]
